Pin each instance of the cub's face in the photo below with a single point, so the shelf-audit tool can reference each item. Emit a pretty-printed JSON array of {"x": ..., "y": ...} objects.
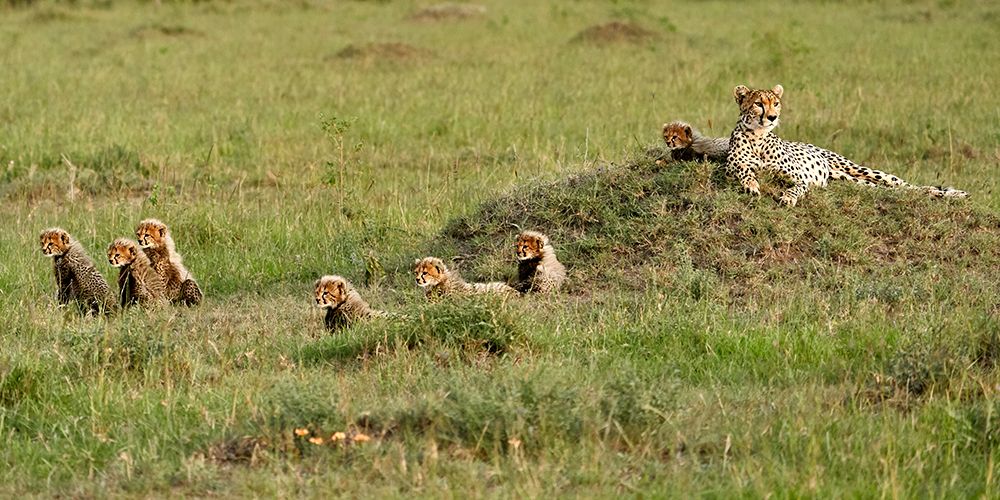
[
  {"x": 529, "y": 245},
  {"x": 122, "y": 252},
  {"x": 429, "y": 271},
  {"x": 150, "y": 233},
  {"x": 759, "y": 108},
  {"x": 331, "y": 291},
  {"x": 677, "y": 135},
  {"x": 55, "y": 242}
]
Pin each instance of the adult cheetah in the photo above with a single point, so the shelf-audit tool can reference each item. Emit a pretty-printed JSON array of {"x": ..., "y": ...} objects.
[{"x": 753, "y": 146}]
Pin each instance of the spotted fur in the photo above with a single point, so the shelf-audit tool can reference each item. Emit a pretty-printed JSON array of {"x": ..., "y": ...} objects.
[
  {"x": 77, "y": 279},
  {"x": 342, "y": 302},
  {"x": 437, "y": 280},
  {"x": 753, "y": 146},
  {"x": 538, "y": 269},
  {"x": 155, "y": 239},
  {"x": 686, "y": 143},
  {"x": 138, "y": 282}
]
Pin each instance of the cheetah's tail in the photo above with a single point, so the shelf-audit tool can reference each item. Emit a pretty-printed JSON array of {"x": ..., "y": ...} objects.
[{"x": 844, "y": 169}]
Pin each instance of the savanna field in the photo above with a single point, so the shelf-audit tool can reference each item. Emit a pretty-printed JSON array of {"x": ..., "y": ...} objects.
[{"x": 705, "y": 343}]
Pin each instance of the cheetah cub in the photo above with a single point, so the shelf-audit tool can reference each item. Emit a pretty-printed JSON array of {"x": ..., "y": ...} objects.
[
  {"x": 538, "y": 269},
  {"x": 138, "y": 282},
  {"x": 77, "y": 279},
  {"x": 156, "y": 242},
  {"x": 342, "y": 302},
  {"x": 437, "y": 281},
  {"x": 686, "y": 143}
]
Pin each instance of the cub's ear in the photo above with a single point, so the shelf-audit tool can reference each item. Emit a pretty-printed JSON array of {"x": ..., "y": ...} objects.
[
  {"x": 342, "y": 287},
  {"x": 131, "y": 251},
  {"x": 439, "y": 267},
  {"x": 687, "y": 130},
  {"x": 65, "y": 238},
  {"x": 316, "y": 284},
  {"x": 778, "y": 90},
  {"x": 416, "y": 261},
  {"x": 740, "y": 93}
]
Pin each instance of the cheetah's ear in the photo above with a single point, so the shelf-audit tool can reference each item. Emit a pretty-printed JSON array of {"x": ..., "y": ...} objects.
[
  {"x": 740, "y": 93},
  {"x": 65, "y": 238},
  {"x": 341, "y": 287},
  {"x": 687, "y": 130},
  {"x": 778, "y": 90},
  {"x": 439, "y": 267}
]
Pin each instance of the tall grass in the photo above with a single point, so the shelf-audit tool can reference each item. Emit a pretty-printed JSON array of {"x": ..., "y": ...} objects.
[{"x": 706, "y": 343}]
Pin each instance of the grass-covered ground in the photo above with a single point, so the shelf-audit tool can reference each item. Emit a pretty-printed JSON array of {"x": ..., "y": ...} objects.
[{"x": 705, "y": 343}]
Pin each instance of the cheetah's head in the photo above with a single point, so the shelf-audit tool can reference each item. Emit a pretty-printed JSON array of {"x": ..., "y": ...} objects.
[
  {"x": 529, "y": 245},
  {"x": 151, "y": 233},
  {"x": 122, "y": 252},
  {"x": 759, "y": 108},
  {"x": 331, "y": 291},
  {"x": 678, "y": 135},
  {"x": 55, "y": 242},
  {"x": 429, "y": 271}
]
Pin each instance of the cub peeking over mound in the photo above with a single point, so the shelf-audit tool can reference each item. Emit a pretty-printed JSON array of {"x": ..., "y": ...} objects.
[
  {"x": 538, "y": 269},
  {"x": 77, "y": 279},
  {"x": 342, "y": 302},
  {"x": 156, "y": 242},
  {"x": 138, "y": 282},
  {"x": 686, "y": 143},
  {"x": 437, "y": 281}
]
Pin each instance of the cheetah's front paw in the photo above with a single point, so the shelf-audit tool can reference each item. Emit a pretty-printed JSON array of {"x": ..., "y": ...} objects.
[
  {"x": 788, "y": 200},
  {"x": 752, "y": 187}
]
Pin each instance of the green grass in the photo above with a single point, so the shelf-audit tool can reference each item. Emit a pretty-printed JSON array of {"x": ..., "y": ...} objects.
[{"x": 706, "y": 343}]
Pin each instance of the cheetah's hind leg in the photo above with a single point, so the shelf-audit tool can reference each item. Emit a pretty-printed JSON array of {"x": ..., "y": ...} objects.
[{"x": 190, "y": 293}]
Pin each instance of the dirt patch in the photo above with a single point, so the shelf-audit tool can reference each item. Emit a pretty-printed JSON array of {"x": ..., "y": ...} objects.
[
  {"x": 614, "y": 32},
  {"x": 392, "y": 51},
  {"x": 448, "y": 11}
]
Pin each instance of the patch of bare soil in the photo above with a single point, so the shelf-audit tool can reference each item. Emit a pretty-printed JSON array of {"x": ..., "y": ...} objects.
[
  {"x": 447, "y": 11},
  {"x": 614, "y": 32}
]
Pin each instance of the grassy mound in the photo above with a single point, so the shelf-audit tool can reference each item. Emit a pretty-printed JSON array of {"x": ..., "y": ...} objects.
[
  {"x": 613, "y": 32},
  {"x": 641, "y": 224},
  {"x": 447, "y": 11}
]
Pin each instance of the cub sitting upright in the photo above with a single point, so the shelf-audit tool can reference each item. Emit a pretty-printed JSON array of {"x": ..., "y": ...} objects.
[
  {"x": 138, "y": 283},
  {"x": 538, "y": 269},
  {"x": 76, "y": 277},
  {"x": 155, "y": 240},
  {"x": 437, "y": 280},
  {"x": 342, "y": 302}
]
